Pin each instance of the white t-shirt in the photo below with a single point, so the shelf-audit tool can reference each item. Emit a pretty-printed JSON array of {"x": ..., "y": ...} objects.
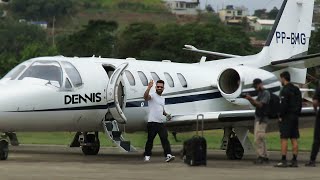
[{"x": 156, "y": 107}]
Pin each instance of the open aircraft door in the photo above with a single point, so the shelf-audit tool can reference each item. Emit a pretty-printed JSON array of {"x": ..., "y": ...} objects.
[{"x": 116, "y": 94}]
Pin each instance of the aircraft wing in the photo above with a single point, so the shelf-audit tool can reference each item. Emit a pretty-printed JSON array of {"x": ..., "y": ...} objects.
[
  {"x": 216, "y": 120},
  {"x": 307, "y": 61},
  {"x": 213, "y": 116},
  {"x": 194, "y": 49}
]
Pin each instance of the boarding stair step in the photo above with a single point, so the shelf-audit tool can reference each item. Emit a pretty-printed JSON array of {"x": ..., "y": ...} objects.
[{"x": 111, "y": 129}]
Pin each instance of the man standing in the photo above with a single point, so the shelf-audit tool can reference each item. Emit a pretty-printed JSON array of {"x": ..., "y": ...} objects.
[
  {"x": 316, "y": 134},
  {"x": 155, "y": 123},
  {"x": 261, "y": 119},
  {"x": 290, "y": 108}
]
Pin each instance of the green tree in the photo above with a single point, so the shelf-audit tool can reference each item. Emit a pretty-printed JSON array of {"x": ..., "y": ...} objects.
[
  {"x": 273, "y": 13},
  {"x": 37, "y": 49},
  {"x": 96, "y": 38},
  {"x": 41, "y": 9},
  {"x": 15, "y": 36},
  {"x": 261, "y": 13},
  {"x": 209, "y": 8},
  {"x": 136, "y": 38},
  {"x": 16, "y": 42},
  {"x": 7, "y": 62},
  {"x": 315, "y": 42},
  {"x": 213, "y": 37},
  {"x": 260, "y": 35}
]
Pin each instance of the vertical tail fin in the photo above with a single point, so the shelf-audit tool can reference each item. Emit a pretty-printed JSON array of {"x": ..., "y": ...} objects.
[{"x": 291, "y": 31}]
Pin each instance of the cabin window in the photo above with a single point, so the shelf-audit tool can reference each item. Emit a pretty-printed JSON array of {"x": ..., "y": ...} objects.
[
  {"x": 169, "y": 79},
  {"x": 143, "y": 78},
  {"x": 45, "y": 70},
  {"x": 73, "y": 73},
  {"x": 130, "y": 78},
  {"x": 182, "y": 80},
  {"x": 14, "y": 73},
  {"x": 155, "y": 76}
]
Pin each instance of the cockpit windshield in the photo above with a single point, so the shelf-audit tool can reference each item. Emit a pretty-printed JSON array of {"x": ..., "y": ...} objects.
[
  {"x": 46, "y": 70},
  {"x": 14, "y": 73}
]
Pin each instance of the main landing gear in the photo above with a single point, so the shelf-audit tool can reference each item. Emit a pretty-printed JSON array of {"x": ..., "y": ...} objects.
[
  {"x": 234, "y": 149},
  {"x": 4, "y": 147}
]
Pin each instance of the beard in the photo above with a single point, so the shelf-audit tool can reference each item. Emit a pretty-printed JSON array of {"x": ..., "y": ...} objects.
[{"x": 159, "y": 92}]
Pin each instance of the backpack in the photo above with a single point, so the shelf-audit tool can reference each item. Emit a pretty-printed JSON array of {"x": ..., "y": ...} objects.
[
  {"x": 274, "y": 106},
  {"x": 296, "y": 100}
]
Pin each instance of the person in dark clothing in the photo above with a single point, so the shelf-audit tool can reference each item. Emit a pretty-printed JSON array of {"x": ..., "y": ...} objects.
[
  {"x": 290, "y": 108},
  {"x": 261, "y": 120},
  {"x": 316, "y": 133}
]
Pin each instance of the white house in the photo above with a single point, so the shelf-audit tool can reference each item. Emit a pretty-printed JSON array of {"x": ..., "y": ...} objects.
[
  {"x": 257, "y": 24},
  {"x": 233, "y": 15},
  {"x": 183, "y": 7},
  {"x": 263, "y": 24}
]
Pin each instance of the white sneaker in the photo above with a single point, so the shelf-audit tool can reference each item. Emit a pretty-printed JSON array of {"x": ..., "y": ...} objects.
[
  {"x": 147, "y": 159},
  {"x": 169, "y": 158}
]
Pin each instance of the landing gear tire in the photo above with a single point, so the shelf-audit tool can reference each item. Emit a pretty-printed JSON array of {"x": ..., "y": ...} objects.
[
  {"x": 93, "y": 146},
  {"x": 234, "y": 150},
  {"x": 4, "y": 150}
]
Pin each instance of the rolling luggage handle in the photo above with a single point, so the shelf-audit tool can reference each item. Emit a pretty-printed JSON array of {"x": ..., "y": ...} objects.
[{"x": 200, "y": 115}]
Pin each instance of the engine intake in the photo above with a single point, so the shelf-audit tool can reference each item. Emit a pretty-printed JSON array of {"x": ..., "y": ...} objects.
[
  {"x": 229, "y": 81},
  {"x": 236, "y": 80}
]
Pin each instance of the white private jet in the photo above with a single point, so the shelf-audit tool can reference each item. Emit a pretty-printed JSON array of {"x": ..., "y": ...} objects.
[{"x": 91, "y": 95}]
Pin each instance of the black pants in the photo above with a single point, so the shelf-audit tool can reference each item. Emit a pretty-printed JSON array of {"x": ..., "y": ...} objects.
[
  {"x": 154, "y": 129},
  {"x": 316, "y": 139}
]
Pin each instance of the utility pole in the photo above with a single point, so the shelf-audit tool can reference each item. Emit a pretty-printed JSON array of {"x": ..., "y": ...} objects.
[{"x": 53, "y": 35}]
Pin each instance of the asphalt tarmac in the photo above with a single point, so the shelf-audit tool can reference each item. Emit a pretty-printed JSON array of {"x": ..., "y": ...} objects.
[{"x": 61, "y": 162}]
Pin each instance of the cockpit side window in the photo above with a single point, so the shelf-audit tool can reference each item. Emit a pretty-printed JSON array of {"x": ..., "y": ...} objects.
[
  {"x": 46, "y": 70},
  {"x": 15, "y": 72},
  {"x": 73, "y": 74},
  {"x": 68, "y": 84}
]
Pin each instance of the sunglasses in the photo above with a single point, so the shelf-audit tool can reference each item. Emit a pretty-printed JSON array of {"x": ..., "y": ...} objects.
[{"x": 159, "y": 86}]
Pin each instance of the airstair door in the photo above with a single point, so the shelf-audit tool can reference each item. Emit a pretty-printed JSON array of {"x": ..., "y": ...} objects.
[{"x": 116, "y": 94}]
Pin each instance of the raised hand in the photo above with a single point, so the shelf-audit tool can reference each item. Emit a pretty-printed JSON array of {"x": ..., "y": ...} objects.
[{"x": 150, "y": 84}]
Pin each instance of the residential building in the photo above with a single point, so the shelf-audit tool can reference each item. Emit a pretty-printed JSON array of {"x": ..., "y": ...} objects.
[
  {"x": 257, "y": 24},
  {"x": 263, "y": 24},
  {"x": 183, "y": 7},
  {"x": 233, "y": 15}
]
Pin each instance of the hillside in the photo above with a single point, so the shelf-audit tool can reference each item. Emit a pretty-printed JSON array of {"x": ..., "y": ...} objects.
[{"x": 124, "y": 12}]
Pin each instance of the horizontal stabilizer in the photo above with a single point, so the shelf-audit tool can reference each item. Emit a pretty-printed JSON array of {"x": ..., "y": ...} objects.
[
  {"x": 194, "y": 49},
  {"x": 303, "y": 62}
]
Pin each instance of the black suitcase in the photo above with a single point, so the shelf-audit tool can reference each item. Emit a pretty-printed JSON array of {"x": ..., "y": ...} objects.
[{"x": 195, "y": 149}]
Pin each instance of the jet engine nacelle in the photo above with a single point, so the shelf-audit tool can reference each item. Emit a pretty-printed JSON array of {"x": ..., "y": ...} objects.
[{"x": 235, "y": 81}]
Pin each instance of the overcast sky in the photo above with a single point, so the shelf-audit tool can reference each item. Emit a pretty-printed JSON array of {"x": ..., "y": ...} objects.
[{"x": 250, "y": 4}]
